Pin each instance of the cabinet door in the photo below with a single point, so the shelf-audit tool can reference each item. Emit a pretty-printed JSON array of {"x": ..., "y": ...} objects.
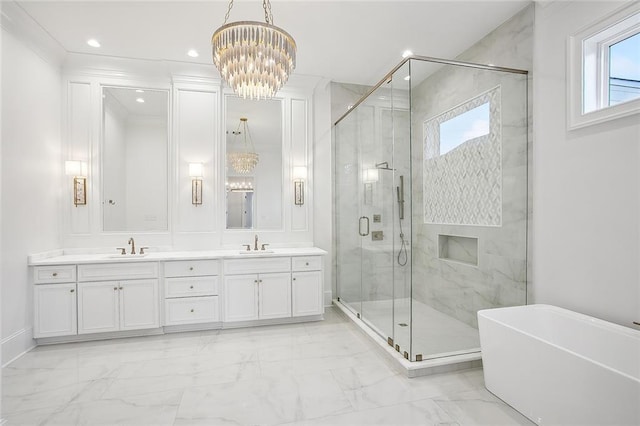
[
  {"x": 139, "y": 304},
  {"x": 240, "y": 297},
  {"x": 275, "y": 295},
  {"x": 55, "y": 310},
  {"x": 306, "y": 290},
  {"x": 98, "y": 307}
]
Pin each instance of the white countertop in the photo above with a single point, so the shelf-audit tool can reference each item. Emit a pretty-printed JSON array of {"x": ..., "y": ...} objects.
[{"x": 58, "y": 257}]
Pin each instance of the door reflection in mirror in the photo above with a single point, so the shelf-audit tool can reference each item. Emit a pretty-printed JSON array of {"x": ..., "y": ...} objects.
[
  {"x": 134, "y": 159},
  {"x": 259, "y": 204}
]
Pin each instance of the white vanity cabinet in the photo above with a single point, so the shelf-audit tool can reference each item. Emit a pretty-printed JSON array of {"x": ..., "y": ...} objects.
[
  {"x": 191, "y": 292},
  {"x": 256, "y": 289},
  {"x": 117, "y": 303},
  {"x": 306, "y": 286},
  {"x": 54, "y": 296},
  {"x": 81, "y": 297}
]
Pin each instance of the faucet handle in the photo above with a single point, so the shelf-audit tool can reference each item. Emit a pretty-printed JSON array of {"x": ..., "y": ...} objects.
[
  {"x": 123, "y": 250},
  {"x": 248, "y": 246},
  {"x": 263, "y": 246},
  {"x": 142, "y": 249}
]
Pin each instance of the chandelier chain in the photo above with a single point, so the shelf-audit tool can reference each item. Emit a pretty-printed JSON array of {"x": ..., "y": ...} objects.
[
  {"x": 268, "y": 16},
  {"x": 226, "y": 16}
]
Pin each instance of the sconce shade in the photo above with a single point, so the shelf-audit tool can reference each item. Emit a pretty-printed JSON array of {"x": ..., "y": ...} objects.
[
  {"x": 195, "y": 170},
  {"x": 370, "y": 175},
  {"x": 73, "y": 168},
  {"x": 299, "y": 172}
]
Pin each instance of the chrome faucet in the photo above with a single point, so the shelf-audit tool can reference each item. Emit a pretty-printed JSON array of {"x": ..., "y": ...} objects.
[
  {"x": 255, "y": 246},
  {"x": 133, "y": 245}
]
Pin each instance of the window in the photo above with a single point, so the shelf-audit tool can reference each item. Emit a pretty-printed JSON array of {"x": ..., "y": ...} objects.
[
  {"x": 469, "y": 125},
  {"x": 624, "y": 70},
  {"x": 604, "y": 69}
]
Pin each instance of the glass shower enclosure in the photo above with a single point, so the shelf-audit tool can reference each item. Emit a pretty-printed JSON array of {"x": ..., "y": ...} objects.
[{"x": 431, "y": 203}]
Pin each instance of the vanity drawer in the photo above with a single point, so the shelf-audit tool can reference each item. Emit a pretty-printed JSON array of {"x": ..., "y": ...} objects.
[
  {"x": 191, "y": 268},
  {"x": 256, "y": 266},
  {"x": 191, "y": 310},
  {"x": 306, "y": 263},
  {"x": 186, "y": 287},
  {"x": 54, "y": 274},
  {"x": 120, "y": 271}
]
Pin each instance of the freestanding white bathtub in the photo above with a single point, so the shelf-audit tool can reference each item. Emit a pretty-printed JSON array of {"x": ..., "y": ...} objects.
[{"x": 558, "y": 367}]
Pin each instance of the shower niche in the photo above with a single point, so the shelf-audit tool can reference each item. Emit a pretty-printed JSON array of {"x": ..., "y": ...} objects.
[{"x": 438, "y": 149}]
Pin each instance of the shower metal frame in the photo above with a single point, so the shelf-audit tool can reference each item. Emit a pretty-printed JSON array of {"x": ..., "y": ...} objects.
[{"x": 387, "y": 79}]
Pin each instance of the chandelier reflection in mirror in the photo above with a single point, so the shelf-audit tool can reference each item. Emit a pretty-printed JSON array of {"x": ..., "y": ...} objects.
[
  {"x": 245, "y": 161},
  {"x": 254, "y": 58}
]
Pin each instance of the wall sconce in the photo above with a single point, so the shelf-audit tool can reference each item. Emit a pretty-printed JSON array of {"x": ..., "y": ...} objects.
[
  {"x": 370, "y": 175},
  {"x": 299, "y": 175},
  {"x": 78, "y": 170},
  {"x": 195, "y": 172}
]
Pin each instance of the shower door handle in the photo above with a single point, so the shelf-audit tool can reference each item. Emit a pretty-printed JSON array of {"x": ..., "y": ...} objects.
[{"x": 360, "y": 226}]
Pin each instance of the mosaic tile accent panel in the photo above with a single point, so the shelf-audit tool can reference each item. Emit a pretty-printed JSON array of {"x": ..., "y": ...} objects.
[{"x": 463, "y": 186}]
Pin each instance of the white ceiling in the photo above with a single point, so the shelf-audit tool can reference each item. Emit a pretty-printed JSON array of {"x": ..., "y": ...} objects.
[{"x": 345, "y": 41}]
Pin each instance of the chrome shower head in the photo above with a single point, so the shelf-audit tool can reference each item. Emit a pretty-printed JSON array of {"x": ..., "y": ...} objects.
[{"x": 383, "y": 166}]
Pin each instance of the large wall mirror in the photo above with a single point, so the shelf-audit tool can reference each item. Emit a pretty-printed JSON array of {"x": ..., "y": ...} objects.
[
  {"x": 134, "y": 159},
  {"x": 254, "y": 194}
]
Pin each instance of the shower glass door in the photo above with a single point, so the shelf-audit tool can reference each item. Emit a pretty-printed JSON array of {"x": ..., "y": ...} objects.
[
  {"x": 377, "y": 213},
  {"x": 348, "y": 188}
]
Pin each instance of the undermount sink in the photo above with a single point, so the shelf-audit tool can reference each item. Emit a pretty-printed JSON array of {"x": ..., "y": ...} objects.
[
  {"x": 255, "y": 251},
  {"x": 125, "y": 256}
]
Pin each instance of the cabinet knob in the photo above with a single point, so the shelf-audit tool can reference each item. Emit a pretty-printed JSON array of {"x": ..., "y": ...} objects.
[
  {"x": 115, "y": 288},
  {"x": 55, "y": 274},
  {"x": 294, "y": 279},
  {"x": 259, "y": 281},
  {"x": 307, "y": 263},
  {"x": 255, "y": 281},
  {"x": 191, "y": 268},
  {"x": 193, "y": 310},
  {"x": 119, "y": 288},
  {"x": 191, "y": 287},
  {"x": 72, "y": 290}
]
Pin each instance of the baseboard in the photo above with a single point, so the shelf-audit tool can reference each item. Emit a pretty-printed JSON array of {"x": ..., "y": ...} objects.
[{"x": 16, "y": 345}]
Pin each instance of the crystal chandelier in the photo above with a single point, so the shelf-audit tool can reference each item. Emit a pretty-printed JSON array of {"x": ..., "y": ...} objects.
[
  {"x": 254, "y": 58},
  {"x": 243, "y": 162}
]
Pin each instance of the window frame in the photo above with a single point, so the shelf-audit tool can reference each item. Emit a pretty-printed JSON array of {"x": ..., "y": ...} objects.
[{"x": 588, "y": 69}]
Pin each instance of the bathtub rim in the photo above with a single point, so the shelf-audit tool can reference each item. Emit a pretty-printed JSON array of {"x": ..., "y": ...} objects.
[{"x": 627, "y": 331}]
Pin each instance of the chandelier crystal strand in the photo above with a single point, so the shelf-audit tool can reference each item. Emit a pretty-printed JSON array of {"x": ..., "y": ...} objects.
[{"x": 254, "y": 58}]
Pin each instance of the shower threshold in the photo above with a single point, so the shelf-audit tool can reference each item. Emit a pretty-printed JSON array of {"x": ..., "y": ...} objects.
[{"x": 442, "y": 364}]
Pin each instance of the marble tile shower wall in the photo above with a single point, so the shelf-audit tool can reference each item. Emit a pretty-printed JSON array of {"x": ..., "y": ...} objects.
[{"x": 499, "y": 279}]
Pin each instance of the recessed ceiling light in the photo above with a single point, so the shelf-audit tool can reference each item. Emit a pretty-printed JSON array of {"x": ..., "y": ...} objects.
[
  {"x": 193, "y": 53},
  {"x": 408, "y": 78},
  {"x": 140, "y": 100},
  {"x": 93, "y": 42},
  {"x": 407, "y": 53},
  {"x": 139, "y": 91}
]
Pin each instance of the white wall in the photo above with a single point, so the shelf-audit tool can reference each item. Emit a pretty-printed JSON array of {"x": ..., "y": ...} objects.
[
  {"x": 323, "y": 182},
  {"x": 31, "y": 180},
  {"x": 586, "y": 186}
]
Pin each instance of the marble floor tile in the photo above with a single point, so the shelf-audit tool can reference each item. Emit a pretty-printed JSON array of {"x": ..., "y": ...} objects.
[
  {"x": 480, "y": 407},
  {"x": 422, "y": 413},
  {"x": 318, "y": 373},
  {"x": 148, "y": 409}
]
